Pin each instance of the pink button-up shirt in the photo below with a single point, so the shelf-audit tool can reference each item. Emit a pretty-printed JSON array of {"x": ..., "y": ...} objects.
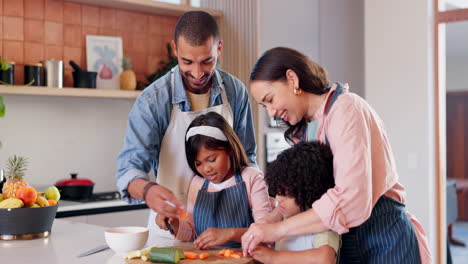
[{"x": 364, "y": 166}]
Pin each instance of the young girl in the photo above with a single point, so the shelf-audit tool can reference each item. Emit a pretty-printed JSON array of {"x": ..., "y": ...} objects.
[
  {"x": 298, "y": 177},
  {"x": 226, "y": 195}
]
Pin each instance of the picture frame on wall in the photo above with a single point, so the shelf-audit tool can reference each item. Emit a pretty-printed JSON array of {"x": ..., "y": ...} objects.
[{"x": 104, "y": 56}]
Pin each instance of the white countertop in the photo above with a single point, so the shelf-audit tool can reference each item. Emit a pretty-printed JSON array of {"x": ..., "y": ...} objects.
[{"x": 66, "y": 241}]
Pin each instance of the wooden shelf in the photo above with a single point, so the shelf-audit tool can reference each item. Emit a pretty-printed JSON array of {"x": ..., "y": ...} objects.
[
  {"x": 67, "y": 92},
  {"x": 148, "y": 6}
]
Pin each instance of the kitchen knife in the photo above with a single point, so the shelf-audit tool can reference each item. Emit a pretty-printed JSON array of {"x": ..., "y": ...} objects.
[
  {"x": 169, "y": 226},
  {"x": 94, "y": 250}
]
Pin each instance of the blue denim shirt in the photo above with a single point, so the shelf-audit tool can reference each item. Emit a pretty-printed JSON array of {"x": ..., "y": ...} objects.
[{"x": 150, "y": 116}]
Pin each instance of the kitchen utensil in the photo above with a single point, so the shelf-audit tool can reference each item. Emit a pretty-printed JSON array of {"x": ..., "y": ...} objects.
[
  {"x": 81, "y": 78},
  {"x": 169, "y": 226},
  {"x": 75, "y": 66},
  {"x": 75, "y": 188},
  {"x": 93, "y": 250},
  {"x": 32, "y": 72},
  {"x": 26, "y": 223},
  {"x": 54, "y": 73},
  {"x": 84, "y": 79},
  {"x": 127, "y": 238}
]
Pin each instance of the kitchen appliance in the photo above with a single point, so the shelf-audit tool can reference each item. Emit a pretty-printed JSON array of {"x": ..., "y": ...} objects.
[
  {"x": 54, "y": 73},
  {"x": 75, "y": 188},
  {"x": 96, "y": 197}
]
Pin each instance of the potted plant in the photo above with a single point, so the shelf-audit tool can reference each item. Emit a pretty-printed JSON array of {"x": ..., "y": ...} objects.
[{"x": 7, "y": 72}]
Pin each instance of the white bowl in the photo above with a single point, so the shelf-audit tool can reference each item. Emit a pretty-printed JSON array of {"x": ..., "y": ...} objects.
[{"x": 126, "y": 239}]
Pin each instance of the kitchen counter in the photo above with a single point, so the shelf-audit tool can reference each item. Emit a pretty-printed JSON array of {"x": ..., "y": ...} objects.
[
  {"x": 66, "y": 241},
  {"x": 71, "y": 208}
]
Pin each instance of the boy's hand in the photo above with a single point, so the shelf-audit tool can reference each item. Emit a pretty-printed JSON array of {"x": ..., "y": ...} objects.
[
  {"x": 213, "y": 237},
  {"x": 264, "y": 254}
]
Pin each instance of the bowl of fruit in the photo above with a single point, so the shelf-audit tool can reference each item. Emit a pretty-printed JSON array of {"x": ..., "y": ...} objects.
[{"x": 24, "y": 212}]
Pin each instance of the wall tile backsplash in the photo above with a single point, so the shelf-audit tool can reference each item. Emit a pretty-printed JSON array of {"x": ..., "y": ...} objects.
[{"x": 36, "y": 30}]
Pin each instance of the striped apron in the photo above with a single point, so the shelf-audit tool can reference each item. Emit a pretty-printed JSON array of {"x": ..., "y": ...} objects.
[
  {"x": 387, "y": 236},
  {"x": 228, "y": 208}
]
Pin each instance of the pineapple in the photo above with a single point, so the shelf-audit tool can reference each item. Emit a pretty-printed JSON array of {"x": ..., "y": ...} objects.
[
  {"x": 127, "y": 77},
  {"x": 16, "y": 166}
]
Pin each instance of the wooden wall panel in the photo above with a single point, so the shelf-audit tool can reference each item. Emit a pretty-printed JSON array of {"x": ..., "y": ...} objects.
[{"x": 457, "y": 146}]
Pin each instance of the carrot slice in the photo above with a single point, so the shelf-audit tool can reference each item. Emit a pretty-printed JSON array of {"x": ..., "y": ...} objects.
[
  {"x": 227, "y": 253},
  {"x": 221, "y": 252},
  {"x": 182, "y": 214},
  {"x": 235, "y": 256},
  {"x": 190, "y": 255},
  {"x": 203, "y": 256}
]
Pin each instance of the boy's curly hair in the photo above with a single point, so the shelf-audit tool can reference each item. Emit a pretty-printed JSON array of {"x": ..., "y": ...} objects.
[{"x": 303, "y": 172}]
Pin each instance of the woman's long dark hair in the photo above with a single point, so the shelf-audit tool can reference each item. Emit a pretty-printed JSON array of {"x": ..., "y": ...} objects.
[
  {"x": 233, "y": 147},
  {"x": 272, "y": 66}
]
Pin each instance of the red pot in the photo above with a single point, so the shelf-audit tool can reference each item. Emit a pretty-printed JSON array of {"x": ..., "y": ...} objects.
[{"x": 75, "y": 188}]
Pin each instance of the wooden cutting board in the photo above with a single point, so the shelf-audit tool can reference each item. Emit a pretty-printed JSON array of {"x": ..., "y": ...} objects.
[{"x": 214, "y": 258}]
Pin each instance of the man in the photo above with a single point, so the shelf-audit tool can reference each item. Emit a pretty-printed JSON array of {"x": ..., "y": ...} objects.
[{"x": 160, "y": 116}]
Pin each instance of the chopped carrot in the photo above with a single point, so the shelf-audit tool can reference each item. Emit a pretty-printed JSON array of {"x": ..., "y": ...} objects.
[
  {"x": 227, "y": 253},
  {"x": 238, "y": 253},
  {"x": 190, "y": 255},
  {"x": 182, "y": 214},
  {"x": 235, "y": 255},
  {"x": 203, "y": 256},
  {"x": 221, "y": 252}
]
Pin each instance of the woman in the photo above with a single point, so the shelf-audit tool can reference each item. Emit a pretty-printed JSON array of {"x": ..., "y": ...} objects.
[{"x": 367, "y": 203}]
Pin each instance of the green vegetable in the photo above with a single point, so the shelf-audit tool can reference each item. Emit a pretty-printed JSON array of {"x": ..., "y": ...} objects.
[{"x": 165, "y": 255}]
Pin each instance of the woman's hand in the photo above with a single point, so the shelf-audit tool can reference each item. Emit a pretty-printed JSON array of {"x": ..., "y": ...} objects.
[
  {"x": 258, "y": 233},
  {"x": 264, "y": 254},
  {"x": 213, "y": 237}
]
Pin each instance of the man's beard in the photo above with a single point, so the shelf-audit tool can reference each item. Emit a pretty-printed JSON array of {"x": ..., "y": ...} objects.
[{"x": 197, "y": 89}]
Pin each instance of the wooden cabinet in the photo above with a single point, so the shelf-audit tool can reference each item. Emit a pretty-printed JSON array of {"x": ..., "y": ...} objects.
[{"x": 457, "y": 145}]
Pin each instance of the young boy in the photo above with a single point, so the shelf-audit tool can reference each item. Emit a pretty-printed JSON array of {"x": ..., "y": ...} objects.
[{"x": 299, "y": 176}]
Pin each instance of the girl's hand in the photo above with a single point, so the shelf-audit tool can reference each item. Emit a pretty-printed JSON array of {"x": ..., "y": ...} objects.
[
  {"x": 212, "y": 237},
  {"x": 161, "y": 221},
  {"x": 264, "y": 254},
  {"x": 258, "y": 233}
]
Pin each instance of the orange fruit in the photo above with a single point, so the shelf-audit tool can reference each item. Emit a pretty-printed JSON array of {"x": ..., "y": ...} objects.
[
  {"x": 27, "y": 194},
  {"x": 52, "y": 202}
]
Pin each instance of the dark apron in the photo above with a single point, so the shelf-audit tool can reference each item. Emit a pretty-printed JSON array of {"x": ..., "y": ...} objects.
[
  {"x": 228, "y": 208},
  {"x": 388, "y": 235}
]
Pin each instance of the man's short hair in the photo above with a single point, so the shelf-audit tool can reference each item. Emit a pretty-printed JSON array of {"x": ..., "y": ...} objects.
[{"x": 196, "y": 27}]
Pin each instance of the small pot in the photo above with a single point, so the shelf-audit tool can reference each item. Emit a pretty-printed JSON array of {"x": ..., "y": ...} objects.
[{"x": 75, "y": 188}]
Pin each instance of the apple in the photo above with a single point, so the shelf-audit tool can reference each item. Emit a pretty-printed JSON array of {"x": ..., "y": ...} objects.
[{"x": 52, "y": 193}]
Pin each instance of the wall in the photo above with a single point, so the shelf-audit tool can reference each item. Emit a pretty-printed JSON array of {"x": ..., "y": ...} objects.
[
  {"x": 330, "y": 32},
  {"x": 399, "y": 85},
  {"x": 60, "y": 135},
  {"x": 34, "y": 30}
]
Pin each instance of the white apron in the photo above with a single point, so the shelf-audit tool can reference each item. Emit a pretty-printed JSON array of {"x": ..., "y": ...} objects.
[{"x": 174, "y": 172}]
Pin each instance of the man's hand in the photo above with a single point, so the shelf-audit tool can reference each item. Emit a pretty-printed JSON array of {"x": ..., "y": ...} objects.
[
  {"x": 157, "y": 198},
  {"x": 264, "y": 254},
  {"x": 213, "y": 237}
]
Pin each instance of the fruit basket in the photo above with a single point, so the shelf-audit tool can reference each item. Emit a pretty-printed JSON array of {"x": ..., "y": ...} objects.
[
  {"x": 24, "y": 212},
  {"x": 26, "y": 223}
]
